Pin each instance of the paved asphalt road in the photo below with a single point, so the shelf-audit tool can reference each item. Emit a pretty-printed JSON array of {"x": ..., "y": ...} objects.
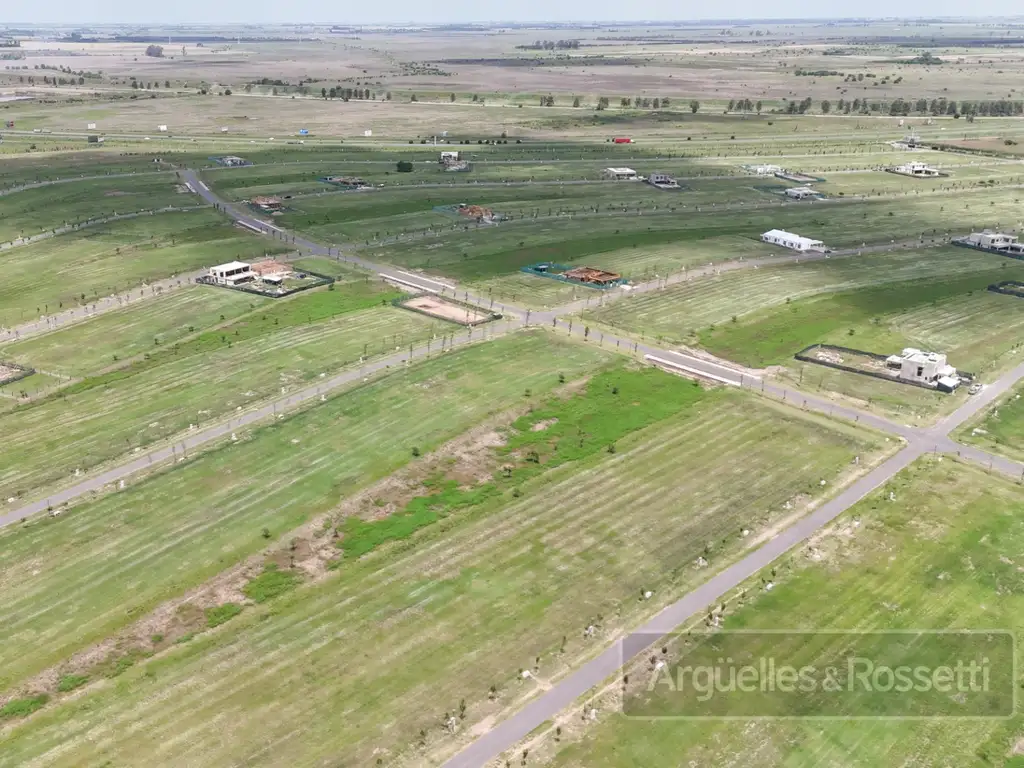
[
  {"x": 547, "y": 705},
  {"x": 565, "y": 692}
]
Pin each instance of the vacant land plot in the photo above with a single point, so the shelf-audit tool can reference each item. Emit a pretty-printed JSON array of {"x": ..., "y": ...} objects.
[
  {"x": 682, "y": 312},
  {"x": 942, "y": 553},
  {"x": 89, "y": 572},
  {"x": 446, "y": 310},
  {"x": 32, "y": 211},
  {"x": 957, "y": 316},
  {"x": 491, "y": 251},
  {"x": 76, "y": 268},
  {"x": 506, "y": 585},
  {"x": 1001, "y": 428},
  {"x": 221, "y": 371},
  {"x": 105, "y": 340}
]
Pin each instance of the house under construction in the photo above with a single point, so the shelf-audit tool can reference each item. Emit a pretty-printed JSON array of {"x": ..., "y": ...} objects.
[{"x": 592, "y": 276}]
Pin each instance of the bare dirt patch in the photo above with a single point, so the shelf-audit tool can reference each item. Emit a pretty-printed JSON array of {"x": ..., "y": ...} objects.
[{"x": 439, "y": 308}]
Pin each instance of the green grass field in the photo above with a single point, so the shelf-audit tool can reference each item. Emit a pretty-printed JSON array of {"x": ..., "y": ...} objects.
[
  {"x": 210, "y": 375},
  {"x": 101, "y": 342},
  {"x": 32, "y": 211},
  {"x": 78, "y": 267},
  {"x": 66, "y": 586},
  {"x": 941, "y": 556},
  {"x": 1000, "y": 429},
  {"x": 868, "y": 286},
  {"x": 460, "y": 606}
]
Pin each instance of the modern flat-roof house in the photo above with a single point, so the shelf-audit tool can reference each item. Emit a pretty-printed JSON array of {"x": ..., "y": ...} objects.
[
  {"x": 789, "y": 240},
  {"x": 232, "y": 273},
  {"x": 662, "y": 180},
  {"x": 994, "y": 240},
  {"x": 802, "y": 193},
  {"x": 923, "y": 368},
  {"x": 917, "y": 170},
  {"x": 620, "y": 174}
]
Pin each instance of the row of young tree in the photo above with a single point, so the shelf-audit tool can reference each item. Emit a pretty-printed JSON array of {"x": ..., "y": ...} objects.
[
  {"x": 550, "y": 45},
  {"x": 904, "y": 107},
  {"x": 347, "y": 94}
]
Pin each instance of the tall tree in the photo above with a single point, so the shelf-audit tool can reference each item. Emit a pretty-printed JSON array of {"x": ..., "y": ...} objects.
[{"x": 694, "y": 106}]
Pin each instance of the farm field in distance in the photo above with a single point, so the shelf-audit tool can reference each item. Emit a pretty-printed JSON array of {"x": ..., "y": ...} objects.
[{"x": 544, "y": 393}]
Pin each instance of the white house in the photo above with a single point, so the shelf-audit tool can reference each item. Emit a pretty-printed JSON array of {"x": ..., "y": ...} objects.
[
  {"x": 232, "y": 273},
  {"x": 921, "y": 367},
  {"x": 995, "y": 240},
  {"x": 620, "y": 174},
  {"x": 767, "y": 170},
  {"x": 662, "y": 180},
  {"x": 449, "y": 157},
  {"x": 802, "y": 193},
  {"x": 789, "y": 240},
  {"x": 917, "y": 169}
]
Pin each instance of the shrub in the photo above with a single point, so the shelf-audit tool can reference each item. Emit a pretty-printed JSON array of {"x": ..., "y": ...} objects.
[{"x": 23, "y": 707}]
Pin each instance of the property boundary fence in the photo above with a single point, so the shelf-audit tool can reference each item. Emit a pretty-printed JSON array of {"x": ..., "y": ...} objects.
[
  {"x": 244, "y": 288},
  {"x": 804, "y": 356},
  {"x": 402, "y": 303},
  {"x": 220, "y": 161},
  {"x": 553, "y": 272},
  {"x": 799, "y": 178},
  {"x": 1005, "y": 284},
  {"x": 939, "y": 175},
  {"x": 20, "y": 372},
  {"x": 964, "y": 244}
]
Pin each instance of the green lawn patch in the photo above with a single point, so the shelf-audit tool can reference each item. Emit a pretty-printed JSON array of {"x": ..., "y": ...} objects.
[
  {"x": 68, "y": 683},
  {"x": 775, "y": 335},
  {"x": 222, "y": 613},
  {"x": 272, "y": 583},
  {"x": 614, "y": 404},
  {"x": 23, "y": 707}
]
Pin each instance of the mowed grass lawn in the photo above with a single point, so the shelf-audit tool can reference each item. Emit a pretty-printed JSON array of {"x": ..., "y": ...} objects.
[
  {"x": 944, "y": 554},
  {"x": 487, "y": 252},
  {"x": 225, "y": 370},
  {"x": 79, "y": 267},
  {"x": 976, "y": 328},
  {"x": 817, "y": 292},
  {"x": 637, "y": 264},
  {"x": 32, "y": 211},
  {"x": 100, "y": 343},
  {"x": 70, "y": 584},
  {"x": 1000, "y": 429},
  {"x": 367, "y": 662}
]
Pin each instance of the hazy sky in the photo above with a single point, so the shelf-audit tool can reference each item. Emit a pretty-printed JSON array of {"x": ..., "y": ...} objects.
[{"x": 350, "y": 12}]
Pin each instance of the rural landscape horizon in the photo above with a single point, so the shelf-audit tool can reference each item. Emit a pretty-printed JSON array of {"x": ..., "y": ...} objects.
[{"x": 426, "y": 389}]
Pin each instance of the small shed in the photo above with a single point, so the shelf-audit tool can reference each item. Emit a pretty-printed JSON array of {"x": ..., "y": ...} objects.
[{"x": 620, "y": 174}]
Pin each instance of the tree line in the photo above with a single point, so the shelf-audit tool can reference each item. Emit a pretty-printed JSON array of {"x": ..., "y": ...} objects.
[{"x": 550, "y": 45}]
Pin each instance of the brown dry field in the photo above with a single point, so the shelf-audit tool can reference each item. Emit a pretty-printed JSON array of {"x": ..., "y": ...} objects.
[
  {"x": 988, "y": 144},
  {"x": 707, "y": 69}
]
